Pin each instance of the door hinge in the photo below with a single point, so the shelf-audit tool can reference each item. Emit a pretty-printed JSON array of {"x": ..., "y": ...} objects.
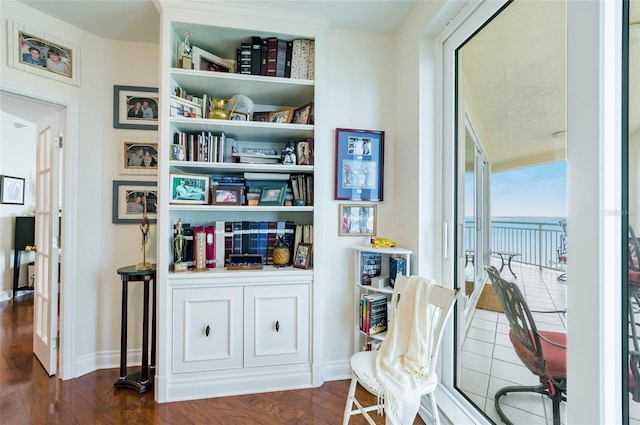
[
  {"x": 55, "y": 343},
  {"x": 58, "y": 142}
]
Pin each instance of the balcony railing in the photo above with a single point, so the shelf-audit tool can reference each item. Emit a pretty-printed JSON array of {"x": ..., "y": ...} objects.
[{"x": 537, "y": 243}]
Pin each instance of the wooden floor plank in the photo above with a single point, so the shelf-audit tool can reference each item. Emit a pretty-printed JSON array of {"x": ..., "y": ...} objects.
[{"x": 29, "y": 396}]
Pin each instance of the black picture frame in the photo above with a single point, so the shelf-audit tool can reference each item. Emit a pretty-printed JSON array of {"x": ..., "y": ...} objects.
[
  {"x": 125, "y": 99},
  {"x": 11, "y": 190},
  {"x": 359, "y": 165},
  {"x": 125, "y": 192}
]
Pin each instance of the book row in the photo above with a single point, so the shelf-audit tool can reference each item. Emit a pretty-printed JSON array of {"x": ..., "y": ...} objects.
[
  {"x": 225, "y": 238},
  {"x": 373, "y": 313},
  {"x": 207, "y": 146},
  {"x": 371, "y": 268},
  {"x": 274, "y": 57}
]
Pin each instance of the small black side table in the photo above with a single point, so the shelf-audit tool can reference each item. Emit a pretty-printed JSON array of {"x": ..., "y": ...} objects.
[{"x": 140, "y": 381}]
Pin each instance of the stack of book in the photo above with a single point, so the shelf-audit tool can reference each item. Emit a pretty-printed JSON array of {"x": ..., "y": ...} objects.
[
  {"x": 373, "y": 313},
  {"x": 276, "y": 57},
  {"x": 204, "y": 146},
  {"x": 302, "y": 188}
]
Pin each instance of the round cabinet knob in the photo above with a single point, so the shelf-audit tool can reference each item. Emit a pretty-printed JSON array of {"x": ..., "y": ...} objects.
[
  {"x": 207, "y": 330},
  {"x": 30, "y": 248},
  {"x": 277, "y": 326}
]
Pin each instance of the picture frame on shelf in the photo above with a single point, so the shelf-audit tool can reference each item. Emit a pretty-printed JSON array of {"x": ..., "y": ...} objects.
[
  {"x": 302, "y": 258},
  {"x": 359, "y": 165},
  {"x": 272, "y": 195},
  {"x": 302, "y": 115},
  {"x": 191, "y": 189},
  {"x": 357, "y": 220},
  {"x": 281, "y": 116},
  {"x": 239, "y": 116},
  {"x": 205, "y": 61},
  {"x": 135, "y": 108},
  {"x": 139, "y": 155},
  {"x": 226, "y": 195},
  {"x": 304, "y": 152},
  {"x": 178, "y": 153},
  {"x": 11, "y": 190},
  {"x": 261, "y": 116},
  {"x": 128, "y": 201},
  {"x": 42, "y": 54},
  {"x": 179, "y": 107}
]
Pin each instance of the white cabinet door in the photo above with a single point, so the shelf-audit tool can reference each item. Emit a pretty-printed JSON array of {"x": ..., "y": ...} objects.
[
  {"x": 207, "y": 329},
  {"x": 276, "y": 325}
]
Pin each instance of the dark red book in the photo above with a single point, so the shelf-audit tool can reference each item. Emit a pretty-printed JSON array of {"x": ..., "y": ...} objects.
[
  {"x": 271, "y": 240},
  {"x": 228, "y": 241},
  {"x": 272, "y": 56}
]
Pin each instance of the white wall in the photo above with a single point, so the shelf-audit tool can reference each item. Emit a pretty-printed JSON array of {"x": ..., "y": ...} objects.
[
  {"x": 17, "y": 159},
  {"x": 101, "y": 246},
  {"x": 360, "y": 81}
]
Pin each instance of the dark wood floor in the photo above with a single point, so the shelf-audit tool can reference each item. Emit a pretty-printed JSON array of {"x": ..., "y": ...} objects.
[{"x": 29, "y": 396}]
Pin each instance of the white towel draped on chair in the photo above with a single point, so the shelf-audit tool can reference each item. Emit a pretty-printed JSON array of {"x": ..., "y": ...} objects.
[{"x": 405, "y": 352}]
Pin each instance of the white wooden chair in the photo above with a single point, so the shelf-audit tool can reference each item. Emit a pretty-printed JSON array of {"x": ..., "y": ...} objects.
[{"x": 362, "y": 364}]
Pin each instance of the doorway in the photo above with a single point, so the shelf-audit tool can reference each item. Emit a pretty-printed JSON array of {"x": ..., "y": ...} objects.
[{"x": 28, "y": 107}]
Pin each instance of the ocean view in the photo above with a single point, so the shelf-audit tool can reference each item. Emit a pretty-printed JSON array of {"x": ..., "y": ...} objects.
[{"x": 537, "y": 239}]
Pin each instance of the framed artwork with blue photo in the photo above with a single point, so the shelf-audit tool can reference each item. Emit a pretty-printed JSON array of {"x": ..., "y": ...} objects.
[{"x": 359, "y": 165}]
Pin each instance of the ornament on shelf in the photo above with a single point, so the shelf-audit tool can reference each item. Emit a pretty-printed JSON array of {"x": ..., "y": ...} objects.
[
  {"x": 179, "y": 245},
  {"x": 184, "y": 52}
]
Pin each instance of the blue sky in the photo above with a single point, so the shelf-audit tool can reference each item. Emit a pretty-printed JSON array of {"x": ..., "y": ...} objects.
[{"x": 539, "y": 191}]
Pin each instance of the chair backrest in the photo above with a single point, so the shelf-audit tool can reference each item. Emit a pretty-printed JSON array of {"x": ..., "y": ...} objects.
[
  {"x": 523, "y": 326},
  {"x": 443, "y": 299}
]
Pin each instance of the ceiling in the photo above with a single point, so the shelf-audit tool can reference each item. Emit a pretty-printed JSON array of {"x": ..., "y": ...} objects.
[{"x": 138, "y": 20}]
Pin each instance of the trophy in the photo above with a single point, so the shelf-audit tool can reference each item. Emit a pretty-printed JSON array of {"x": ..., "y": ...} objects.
[
  {"x": 144, "y": 228},
  {"x": 179, "y": 244},
  {"x": 184, "y": 52}
]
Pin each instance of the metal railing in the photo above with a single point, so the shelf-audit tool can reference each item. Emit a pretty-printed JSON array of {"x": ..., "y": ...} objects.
[{"x": 537, "y": 243}]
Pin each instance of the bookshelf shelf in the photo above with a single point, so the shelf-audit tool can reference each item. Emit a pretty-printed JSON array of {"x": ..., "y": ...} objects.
[
  {"x": 369, "y": 265},
  {"x": 231, "y": 167},
  {"x": 232, "y": 208}
]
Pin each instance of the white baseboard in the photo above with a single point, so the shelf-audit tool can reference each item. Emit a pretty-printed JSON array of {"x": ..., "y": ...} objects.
[
  {"x": 106, "y": 360},
  {"x": 337, "y": 370},
  {"x": 5, "y": 295}
]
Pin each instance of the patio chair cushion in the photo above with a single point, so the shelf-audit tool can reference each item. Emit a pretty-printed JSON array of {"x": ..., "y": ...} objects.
[
  {"x": 555, "y": 357},
  {"x": 634, "y": 276}
]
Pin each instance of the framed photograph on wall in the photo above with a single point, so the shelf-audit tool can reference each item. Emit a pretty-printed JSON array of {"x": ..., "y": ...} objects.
[
  {"x": 42, "y": 54},
  {"x": 135, "y": 108},
  {"x": 357, "y": 220},
  {"x": 139, "y": 155},
  {"x": 359, "y": 165},
  {"x": 189, "y": 189},
  {"x": 12, "y": 190},
  {"x": 129, "y": 199},
  {"x": 302, "y": 259}
]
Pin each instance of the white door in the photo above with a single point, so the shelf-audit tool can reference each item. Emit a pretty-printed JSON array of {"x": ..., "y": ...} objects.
[{"x": 45, "y": 302}]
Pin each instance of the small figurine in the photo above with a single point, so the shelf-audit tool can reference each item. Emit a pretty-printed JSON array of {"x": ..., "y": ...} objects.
[
  {"x": 179, "y": 243},
  {"x": 184, "y": 52},
  {"x": 144, "y": 228},
  {"x": 289, "y": 153}
]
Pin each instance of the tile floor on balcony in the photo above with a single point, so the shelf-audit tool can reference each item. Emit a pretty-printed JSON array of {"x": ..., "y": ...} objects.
[{"x": 490, "y": 363}]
